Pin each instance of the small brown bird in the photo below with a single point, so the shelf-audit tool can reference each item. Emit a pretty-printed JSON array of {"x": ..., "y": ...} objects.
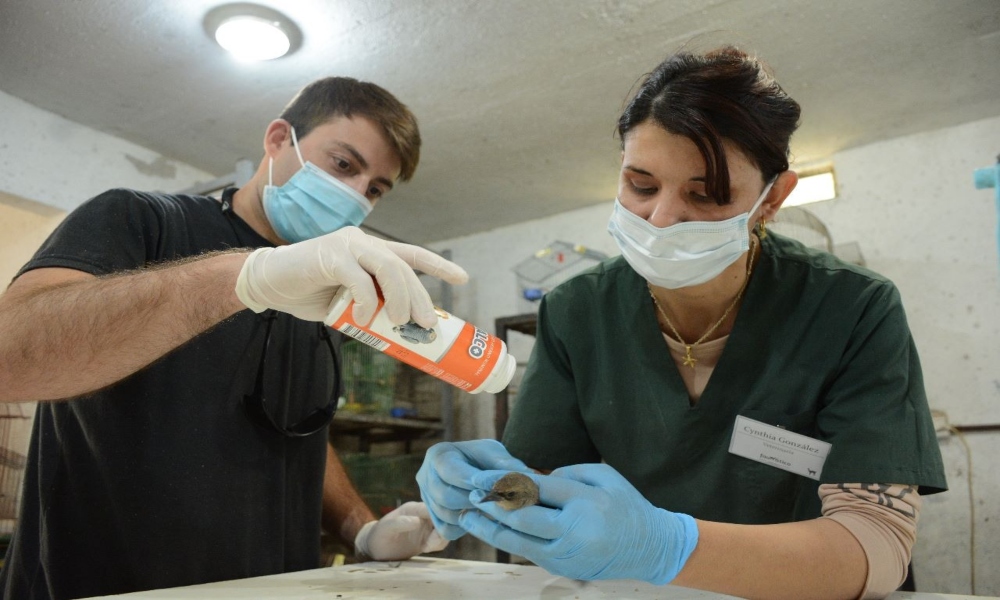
[{"x": 513, "y": 491}]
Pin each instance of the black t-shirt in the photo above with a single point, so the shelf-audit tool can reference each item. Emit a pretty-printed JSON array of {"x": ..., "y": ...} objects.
[{"x": 161, "y": 480}]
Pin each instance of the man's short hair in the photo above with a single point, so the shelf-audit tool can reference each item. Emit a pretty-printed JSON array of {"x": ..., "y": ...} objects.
[{"x": 331, "y": 97}]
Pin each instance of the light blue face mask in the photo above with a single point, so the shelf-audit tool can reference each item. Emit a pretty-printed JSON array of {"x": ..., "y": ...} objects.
[
  {"x": 312, "y": 203},
  {"x": 683, "y": 254}
]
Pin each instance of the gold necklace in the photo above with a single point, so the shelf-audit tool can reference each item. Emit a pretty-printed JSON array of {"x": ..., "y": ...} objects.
[{"x": 689, "y": 360}]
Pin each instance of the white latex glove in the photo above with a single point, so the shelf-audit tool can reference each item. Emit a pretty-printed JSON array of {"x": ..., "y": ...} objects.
[
  {"x": 301, "y": 279},
  {"x": 401, "y": 534}
]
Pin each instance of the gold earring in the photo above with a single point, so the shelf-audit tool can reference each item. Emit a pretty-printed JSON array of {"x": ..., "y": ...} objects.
[{"x": 762, "y": 226}]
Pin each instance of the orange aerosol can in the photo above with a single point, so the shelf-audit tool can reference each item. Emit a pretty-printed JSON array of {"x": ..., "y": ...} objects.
[{"x": 471, "y": 359}]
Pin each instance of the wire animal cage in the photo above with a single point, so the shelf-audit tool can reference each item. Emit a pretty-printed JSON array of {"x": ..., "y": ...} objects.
[
  {"x": 15, "y": 433},
  {"x": 369, "y": 378},
  {"x": 800, "y": 224},
  {"x": 384, "y": 482},
  {"x": 540, "y": 273},
  {"x": 375, "y": 383}
]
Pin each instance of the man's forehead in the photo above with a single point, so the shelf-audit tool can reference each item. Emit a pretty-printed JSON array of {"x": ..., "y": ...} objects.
[{"x": 359, "y": 133}]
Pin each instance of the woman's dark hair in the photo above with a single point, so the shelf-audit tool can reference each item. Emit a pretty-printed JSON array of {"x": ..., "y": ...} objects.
[{"x": 721, "y": 95}]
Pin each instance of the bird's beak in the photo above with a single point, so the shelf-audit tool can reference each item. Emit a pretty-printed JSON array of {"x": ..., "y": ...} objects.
[{"x": 491, "y": 497}]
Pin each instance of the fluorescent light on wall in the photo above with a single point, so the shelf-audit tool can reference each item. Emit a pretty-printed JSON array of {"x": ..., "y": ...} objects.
[
  {"x": 252, "y": 32},
  {"x": 813, "y": 188}
]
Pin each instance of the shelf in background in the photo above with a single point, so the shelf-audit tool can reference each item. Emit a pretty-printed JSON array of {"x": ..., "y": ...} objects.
[{"x": 374, "y": 429}]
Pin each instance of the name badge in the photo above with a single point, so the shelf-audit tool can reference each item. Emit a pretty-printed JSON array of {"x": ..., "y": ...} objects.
[{"x": 779, "y": 448}]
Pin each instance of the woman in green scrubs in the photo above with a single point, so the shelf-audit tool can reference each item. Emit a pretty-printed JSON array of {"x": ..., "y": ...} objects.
[{"x": 759, "y": 405}]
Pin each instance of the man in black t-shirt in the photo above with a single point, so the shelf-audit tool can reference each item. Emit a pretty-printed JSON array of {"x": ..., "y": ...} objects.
[{"x": 180, "y": 438}]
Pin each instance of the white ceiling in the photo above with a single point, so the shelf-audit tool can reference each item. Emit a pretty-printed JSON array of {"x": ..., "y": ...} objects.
[{"x": 517, "y": 99}]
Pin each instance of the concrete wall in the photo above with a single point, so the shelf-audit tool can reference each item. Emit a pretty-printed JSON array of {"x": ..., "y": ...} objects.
[
  {"x": 911, "y": 206},
  {"x": 48, "y": 159}
]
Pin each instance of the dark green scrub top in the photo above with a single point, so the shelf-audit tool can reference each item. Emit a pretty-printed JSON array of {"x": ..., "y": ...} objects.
[{"x": 819, "y": 347}]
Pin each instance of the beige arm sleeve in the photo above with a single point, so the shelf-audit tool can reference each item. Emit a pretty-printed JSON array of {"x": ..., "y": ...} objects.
[{"x": 883, "y": 518}]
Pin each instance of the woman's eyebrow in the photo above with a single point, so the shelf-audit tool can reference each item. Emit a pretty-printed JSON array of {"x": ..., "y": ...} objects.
[
  {"x": 699, "y": 178},
  {"x": 638, "y": 170}
]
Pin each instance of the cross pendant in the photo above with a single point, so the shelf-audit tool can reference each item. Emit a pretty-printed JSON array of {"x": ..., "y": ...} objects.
[{"x": 688, "y": 359}]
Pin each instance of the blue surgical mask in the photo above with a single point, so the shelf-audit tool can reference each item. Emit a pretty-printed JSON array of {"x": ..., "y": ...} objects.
[
  {"x": 312, "y": 203},
  {"x": 683, "y": 254}
]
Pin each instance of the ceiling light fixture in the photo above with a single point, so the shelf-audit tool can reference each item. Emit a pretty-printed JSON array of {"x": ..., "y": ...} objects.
[
  {"x": 814, "y": 185},
  {"x": 252, "y": 32}
]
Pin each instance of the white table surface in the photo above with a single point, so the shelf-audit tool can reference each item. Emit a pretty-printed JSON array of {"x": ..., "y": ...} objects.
[{"x": 437, "y": 579}]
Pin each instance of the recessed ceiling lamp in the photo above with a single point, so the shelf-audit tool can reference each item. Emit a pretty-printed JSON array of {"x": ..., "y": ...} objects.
[
  {"x": 814, "y": 185},
  {"x": 252, "y": 32}
]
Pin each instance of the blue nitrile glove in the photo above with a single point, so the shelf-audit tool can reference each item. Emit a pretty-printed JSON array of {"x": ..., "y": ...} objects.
[
  {"x": 445, "y": 478},
  {"x": 591, "y": 523}
]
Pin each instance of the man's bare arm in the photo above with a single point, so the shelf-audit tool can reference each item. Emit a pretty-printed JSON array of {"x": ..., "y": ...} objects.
[
  {"x": 344, "y": 511},
  {"x": 64, "y": 333}
]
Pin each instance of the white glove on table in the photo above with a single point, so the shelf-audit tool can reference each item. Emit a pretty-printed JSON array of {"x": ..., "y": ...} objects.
[
  {"x": 401, "y": 534},
  {"x": 301, "y": 279}
]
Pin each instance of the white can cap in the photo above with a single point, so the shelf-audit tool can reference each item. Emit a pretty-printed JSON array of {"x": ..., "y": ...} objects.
[{"x": 501, "y": 374}]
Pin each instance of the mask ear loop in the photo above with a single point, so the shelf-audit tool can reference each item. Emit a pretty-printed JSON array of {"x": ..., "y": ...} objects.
[
  {"x": 270, "y": 161},
  {"x": 295, "y": 144},
  {"x": 763, "y": 195}
]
